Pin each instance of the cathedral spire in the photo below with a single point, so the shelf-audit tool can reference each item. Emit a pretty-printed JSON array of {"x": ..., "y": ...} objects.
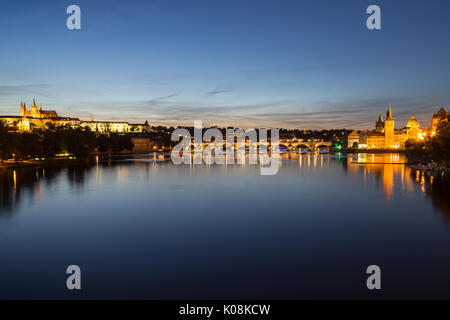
[{"x": 379, "y": 124}]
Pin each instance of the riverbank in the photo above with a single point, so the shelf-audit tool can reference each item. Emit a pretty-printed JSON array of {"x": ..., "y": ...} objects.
[
  {"x": 66, "y": 161},
  {"x": 13, "y": 165},
  {"x": 10, "y": 164},
  {"x": 426, "y": 163},
  {"x": 430, "y": 167},
  {"x": 376, "y": 151}
]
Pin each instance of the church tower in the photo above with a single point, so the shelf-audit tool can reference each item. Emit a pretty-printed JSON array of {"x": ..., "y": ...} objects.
[
  {"x": 389, "y": 130},
  {"x": 23, "y": 109},
  {"x": 34, "y": 110},
  {"x": 379, "y": 124}
]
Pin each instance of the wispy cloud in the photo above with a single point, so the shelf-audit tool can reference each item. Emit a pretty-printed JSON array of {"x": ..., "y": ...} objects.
[
  {"x": 172, "y": 95},
  {"x": 172, "y": 109},
  {"x": 23, "y": 89},
  {"x": 358, "y": 114},
  {"x": 217, "y": 91}
]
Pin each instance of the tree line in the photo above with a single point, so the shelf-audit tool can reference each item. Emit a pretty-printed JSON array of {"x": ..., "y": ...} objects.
[
  {"x": 436, "y": 148},
  {"x": 79, "y": 142}
]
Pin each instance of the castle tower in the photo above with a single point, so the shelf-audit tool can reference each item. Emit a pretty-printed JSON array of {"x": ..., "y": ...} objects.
[
  {"x": 23, "y": 109},
  {"x": 34, "y": 110},
  {"x": 389, "y": 130}
]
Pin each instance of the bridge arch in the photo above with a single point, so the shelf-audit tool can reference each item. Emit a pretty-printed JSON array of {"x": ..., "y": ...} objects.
[
  {"x": 323, "y": 144},
  {"x": 302, "y": 145},
  {"x": 284, "y": 146}
]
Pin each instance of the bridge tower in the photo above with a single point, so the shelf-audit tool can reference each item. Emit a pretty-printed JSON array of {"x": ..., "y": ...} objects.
[{"x": 389, "y": 130}]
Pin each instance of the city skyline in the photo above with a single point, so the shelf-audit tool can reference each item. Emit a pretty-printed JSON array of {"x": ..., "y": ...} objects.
[
  {"x": 26, "y": 112},
  {"x": 244, "y": 64}
]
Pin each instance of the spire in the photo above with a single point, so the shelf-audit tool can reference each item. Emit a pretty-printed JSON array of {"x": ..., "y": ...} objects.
[
  {"x": 379, "y": 124},
  {"x": 34, "y": 103},
  {"x": 389, "y": 113},
  {"x": 441, "y": 114}
]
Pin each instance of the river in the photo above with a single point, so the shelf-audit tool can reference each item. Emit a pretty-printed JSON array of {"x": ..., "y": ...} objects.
[{"x": 143, "y": 228}]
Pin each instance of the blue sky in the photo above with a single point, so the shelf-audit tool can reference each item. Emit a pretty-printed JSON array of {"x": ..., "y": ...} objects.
[{"x": 248, "y": 63}]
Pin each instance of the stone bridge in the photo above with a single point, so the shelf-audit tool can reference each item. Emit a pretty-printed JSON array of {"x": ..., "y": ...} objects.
[
  {"x": 312, "y": 145},
  {"x": 288, "y": 144}
]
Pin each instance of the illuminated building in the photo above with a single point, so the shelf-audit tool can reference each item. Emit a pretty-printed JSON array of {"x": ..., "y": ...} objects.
[
  {"x": 37, "y": 118},
  {"x": 385, "y": 136},
  {"x": 352, "y": 138},
  {"x": 389, "y": 131}
]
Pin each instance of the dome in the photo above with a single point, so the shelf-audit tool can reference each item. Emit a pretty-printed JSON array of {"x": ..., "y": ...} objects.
[{"x": 412, "y": 123}]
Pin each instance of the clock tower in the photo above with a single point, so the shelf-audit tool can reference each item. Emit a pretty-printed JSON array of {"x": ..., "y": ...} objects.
[{"x": 389, "y": 130}]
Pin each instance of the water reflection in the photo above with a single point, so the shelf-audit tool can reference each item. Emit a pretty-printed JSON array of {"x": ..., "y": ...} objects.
[
  {"x": 19, "y": 185},
  {"x": 437, "y": 187},
  {"x": 388, "y": 171},
  {"x": 395, "y": 177},
  {"x": 221, "y": 231}
]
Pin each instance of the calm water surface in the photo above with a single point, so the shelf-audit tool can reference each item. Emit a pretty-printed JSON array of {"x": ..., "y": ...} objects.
[{"x": 145, "y": 229}]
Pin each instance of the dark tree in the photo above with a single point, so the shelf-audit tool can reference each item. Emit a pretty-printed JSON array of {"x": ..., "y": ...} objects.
[
  {"x": 51, "y": 144},
  {"x": 119, "y": 142},
  {"x": 26, "y": 145},
  {"x": 102, "y": 143},
  {"x": 5, "y": 142}
]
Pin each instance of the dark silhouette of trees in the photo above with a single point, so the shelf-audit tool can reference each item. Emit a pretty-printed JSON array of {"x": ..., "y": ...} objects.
[
  {"x": 51, "y": 144},
  {"x": 61, "y": 140},
  {"x": 26, "y": 145},
  {"x": 102, "y": 143},
  {"x": 78, "y": 142},
  {"x": 5, "y": 142},
  {"x": 416, "y": 150},
  {"x": 120, "y": 142},
  {"x": 436, "y": 148}
]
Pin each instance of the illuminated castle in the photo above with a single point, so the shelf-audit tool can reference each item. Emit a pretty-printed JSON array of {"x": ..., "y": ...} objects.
[
  {"x": 34, "y": 112},
  {"x": 38, "y": 119},
  {"x": 385, "y": 136}
]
